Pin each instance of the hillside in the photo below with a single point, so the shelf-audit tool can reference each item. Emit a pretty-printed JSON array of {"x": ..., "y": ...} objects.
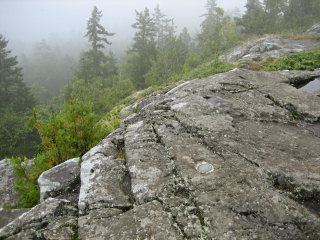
[{"x": 229, "y": 156}]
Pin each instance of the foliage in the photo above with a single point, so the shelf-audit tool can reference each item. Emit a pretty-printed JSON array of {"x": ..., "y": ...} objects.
[
  {"x": 308, "y": 60},
  {"x": 16, "y": 103},
  {"x": 70, "y": 133},
  {"x": 16, "y": 138},
  {"x": 206, "y": 69},
  {"x": 218, "y": 32},
  {"x": 25, "y": 182},
  {"x": 104, "y": 98},
  {"x": 143, "y": 50},
  {"x": 13, "y": 90},
  {"x": 276, "y": 16},
  {"x": 97, "y": 36},
  {"x": 299, "y": 15},
  {"x": 172, "y": 53}
]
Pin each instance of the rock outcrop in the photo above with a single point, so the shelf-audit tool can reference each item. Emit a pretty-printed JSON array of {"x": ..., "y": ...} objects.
[
  {"x": 315, "y": 29},
  {"x": 269, "y": 47},
  {"x": 52, "y": 219},
  {"x": 231, "y": 156},
  {"x": 62, "y": 181},
  {"x": 8, "y": 195}
]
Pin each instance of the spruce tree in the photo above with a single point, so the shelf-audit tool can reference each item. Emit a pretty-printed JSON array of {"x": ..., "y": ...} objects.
[
  {"x": 13, "y": 91},
  {"x": 217, "y": 31},
  {"x": 252, "y": 20},
  {"x": 97, "y": 35},
  {"x": 15, "y": 105},
  {"x": 143, "y": 50},
  {"x": 93, "y": 63}
]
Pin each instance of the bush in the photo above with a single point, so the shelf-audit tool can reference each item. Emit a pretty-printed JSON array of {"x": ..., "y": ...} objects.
[
  {"x": 70, "y": 133},
  {"x": 307, "y": 61}
]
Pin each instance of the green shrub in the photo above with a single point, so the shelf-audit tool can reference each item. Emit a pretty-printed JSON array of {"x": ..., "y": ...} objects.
[
  {"x": 70, "y": 133},
  {"x": 25, "y": 183},
  {"x": 307, "y": 61},
  {"x": 203, "y": 70}
]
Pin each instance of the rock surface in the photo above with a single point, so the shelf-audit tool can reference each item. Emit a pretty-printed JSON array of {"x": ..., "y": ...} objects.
[
  {"x": 8, "y": 195},
  {"x": 231, "y": 156},
  {"x": 8, "y": 215},
  {"x": 52, "y": 219},
  {"x": 269, "y": 47},
  {"x": 260, "y": 134},
  {"x": 62, "y": 181},
  {"x": 315, "y": 29}
]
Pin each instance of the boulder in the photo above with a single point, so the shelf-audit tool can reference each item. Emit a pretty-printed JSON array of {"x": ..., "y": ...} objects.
[
  {"x": 52, "y": 219},
  {"x": 61, "y": 181},
  {"x": 268, "y": 47},
  {"x": 8, "y": 196}
]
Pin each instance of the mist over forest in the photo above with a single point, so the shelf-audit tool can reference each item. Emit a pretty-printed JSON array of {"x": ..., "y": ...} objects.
[{"x": 68, "y": 68}]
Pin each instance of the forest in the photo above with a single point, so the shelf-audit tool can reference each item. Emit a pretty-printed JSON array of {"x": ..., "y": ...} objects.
[{"x": 55, "y": 107}]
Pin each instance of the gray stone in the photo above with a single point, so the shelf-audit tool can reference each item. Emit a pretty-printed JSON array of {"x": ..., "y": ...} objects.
[
  {"x": 258, "y": 137},
  {"x": 8, "y": 215},
  {"x": 104, "y": 179},
  {"x": 148, "y": 221},
  {"x": 269, "y": 47},
  {"x": 52, "y": 219},
  {"x": 315, "y": 29},
  {"x": 8, "y": 196},
  {"x": 61, "y": 181}
]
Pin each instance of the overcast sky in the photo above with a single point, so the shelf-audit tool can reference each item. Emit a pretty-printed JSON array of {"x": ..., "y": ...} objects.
[{"x": 34, "y": 20}]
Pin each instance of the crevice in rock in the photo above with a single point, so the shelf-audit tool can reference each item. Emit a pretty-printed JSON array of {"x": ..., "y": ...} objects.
[
  {"x": 179, "y": 225},
  {"x": 308, "y": 198},
  {"x": 236, "y": 87},
  {"x": 247, "y": 159},
  {"x": 293, "y": 111},
  {"x": 180, "y": 190},
  {"x": 125, "y": 182}
]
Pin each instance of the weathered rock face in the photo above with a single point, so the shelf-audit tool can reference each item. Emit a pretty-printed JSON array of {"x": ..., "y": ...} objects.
[
  {"x": 269, "y": 47},
  {"x": 232, "y": 156},
  {"x": 8, "y": 195},
  {"x": 62, "y": 181},
  {"x": 258, "y": 138},
  {"x": 52, "y": 219},
  {"x": 8, "y": 215},
  {"x": 315, "y": 29}
]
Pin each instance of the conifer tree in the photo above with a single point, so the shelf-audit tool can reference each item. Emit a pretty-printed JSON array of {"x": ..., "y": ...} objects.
[
  {"x": 15, "y": 104},
  {"x": 252, "y": 20},
  {"x": 93, "y": 63},
  {"x": 13, "y": 91},
  {"x": 97, "y": 36},
  {"x": 143, "y": 50},
  {"x": 217, "y": 31}
]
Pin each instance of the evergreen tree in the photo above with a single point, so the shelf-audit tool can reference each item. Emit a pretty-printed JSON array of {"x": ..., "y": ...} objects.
[
  {"x": 94, "y": 63},
  {"x": 218, "y": 33},
  {"x": 300, "y": 15},
  {"x": 15, "y": 105},
  {"x": 273, "y": 16},
  {"x": 253, "y": 19},
  {"x": 158, "y": 20},
  {"x": 97, "y": 36},
  {"x": 13, "y": 91},
  {"x": 143, "y": 50}
]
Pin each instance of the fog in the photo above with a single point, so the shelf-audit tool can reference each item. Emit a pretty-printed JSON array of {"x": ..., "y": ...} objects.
[{"x": 63, "y": 22}]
